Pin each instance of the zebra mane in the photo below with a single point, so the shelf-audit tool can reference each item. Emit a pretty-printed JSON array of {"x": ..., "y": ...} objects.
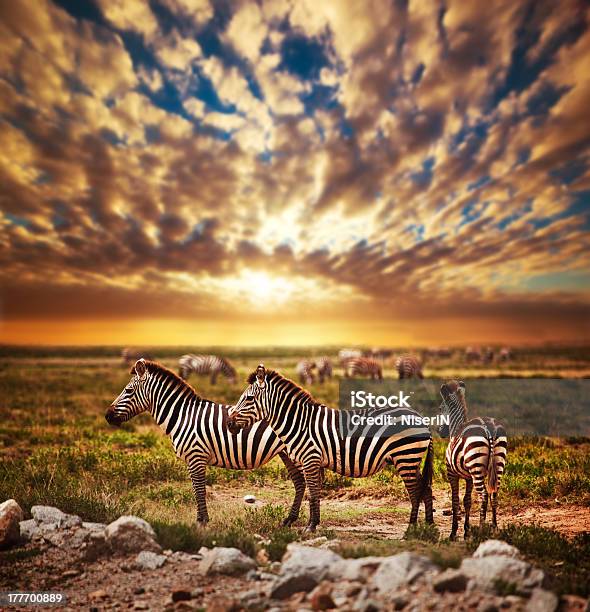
[
  {"x": 157, "y": 368},
  {"x": 301, "y": 392}
]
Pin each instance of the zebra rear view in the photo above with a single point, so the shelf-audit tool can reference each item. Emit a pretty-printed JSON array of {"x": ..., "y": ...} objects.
[
  {"x": 206, "y": 364},
  {"x": 476, "y": 453}
]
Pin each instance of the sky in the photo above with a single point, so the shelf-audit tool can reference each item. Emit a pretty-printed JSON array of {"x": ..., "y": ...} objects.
[{"x": 371, "y": 172}]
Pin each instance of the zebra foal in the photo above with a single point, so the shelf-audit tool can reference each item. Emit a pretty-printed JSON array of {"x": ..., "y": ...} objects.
[
  {"x": 312, "y": 436},
  {"x": 198, "y": 429},
  {"x": 476, "y": 453}
]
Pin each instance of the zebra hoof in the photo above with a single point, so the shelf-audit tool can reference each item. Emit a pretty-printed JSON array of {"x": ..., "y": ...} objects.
[
  {"x": 288, "y": 522},
  {"x": 202, "y": 522},
  {"x": 310, "y": 529},
  {"x": 453, "y": 537}
]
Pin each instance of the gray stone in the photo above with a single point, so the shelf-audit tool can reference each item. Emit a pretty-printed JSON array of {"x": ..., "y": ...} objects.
[
  {"x": 48, "y": 515},
  {"x": 399, "y": 570},
  {"x": 354, "y": 569},
  {"x": 94, "y": 526},
  {"x": 11, "y": 515},
  {"x": 496, "y": 547},
  {"x": 488, "y": 573},
  {"x": 96, "y": 545},
  {"x": 285, "y": 586},
  {"x": 131, "y": 534},
  {"x": 229, "y": 561},
  {"x": 183, "y": 557},
  {"x": 451, "y": 580},
  {"x": 306, "y": 560},
  {"x": 542, "y": 601},
  {"x": 29, "y": 530},
  {"x": 149, "y": 560}
]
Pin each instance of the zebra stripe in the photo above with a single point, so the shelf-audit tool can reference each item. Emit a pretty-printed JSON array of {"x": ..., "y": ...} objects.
[
  {"x": 476, "y": 453},
  {"x": 408, "y": 366},
  {"x": 198, "y": 429},
  {"x": 312, "y": 436},
  {"x": 362, "y": 366},
  {"x": 206, "y": 364},
  {"x": 305, "y": 372}
]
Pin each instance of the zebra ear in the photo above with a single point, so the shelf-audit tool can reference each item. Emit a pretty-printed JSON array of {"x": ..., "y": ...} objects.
[
  {"x": 140, "y": 367},
  {"x": 260, "y": 374}
]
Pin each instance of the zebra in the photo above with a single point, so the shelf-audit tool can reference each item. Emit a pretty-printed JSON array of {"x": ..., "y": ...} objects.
[
  {"x": 476, "y": 452},
  {"x": 505, "y": 354},
  {"x": 363, "y": 366},
  {"x": 305, "y": 370},
  {"x": 199, "y": 431},
  {"x": 345, "y": 354},
  {"x": 206, "y": 364},
  {"x": 408, "y": 366},
  {"x": 130, "y": 356},
  {"x": 314, "y": 440},
  {"x": 324, "y": 366}
]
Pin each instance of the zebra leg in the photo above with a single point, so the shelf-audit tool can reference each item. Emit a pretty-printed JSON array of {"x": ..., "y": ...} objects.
[
  {"x": 296, "y": 475},
  {"x": 483, "y": 510},
  {"x": 413, "y": 484},
  {"x": 454, "y": 482},
  {"x": 494, "y": 497},
  {"x": 312, "y": 471},
  {"x": 197, "y": 471},
  {"x": 467, "y": 503}
]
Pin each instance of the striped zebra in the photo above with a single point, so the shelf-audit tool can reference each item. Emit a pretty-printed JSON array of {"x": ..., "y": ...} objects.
[
  {"x": 408, "y": 366},
  {"x": 199, "y": 431},
  {"x": 130, "y": 356},
  {"x": 324, "y": 366},
  {"x": 345, "y": 354},
  {"x": 313, "y": 436},
  {"x": 363, "y": 366},
  {"x": 305, "y": 370},
  {"x": 206, "y": 364},
  {"x": 476, "y": 453}
]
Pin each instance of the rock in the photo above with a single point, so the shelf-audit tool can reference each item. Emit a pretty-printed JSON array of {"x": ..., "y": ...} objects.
[
  {"x": 94, "y": 526},
  {"x": 96, "y": 545},
  {"x": 491, "y": 572},
  {"x": 97, "y": 595},
  {"x": 399, "y": 602},
  {"x": 355, "y": 569},
  {"x": 11, "y": 515},
  {"x": 131, "y": 534},
  {"x": 149, "y": 560},
  {"x": 48, "y": 515},
  {"x": 496, "y": 547},
  {"x": 451, "y": 580},
  {"x": 70, "y": 574},
  {"x": 141, "y": 605},
  {"x": 229, "y": 561},
  {"x": 542, "y": 601},
  {"x": 321, "y": 597},
  {"x": 316, "y": 541},
  {"x": 249, "y": 499},
  {"x": 305, "y": 560},
  {"x": 223, "y": 604},
  {"x": 487, "y": 606},
  {"x": 364, "y": 604},
  {"x": 139, "y": 591},
  {"x": 285, "y": 586},
  {"x": 398, "y": 570},
  {"x": 29, "y": 530},
  {"x": 182, "y": 557}
]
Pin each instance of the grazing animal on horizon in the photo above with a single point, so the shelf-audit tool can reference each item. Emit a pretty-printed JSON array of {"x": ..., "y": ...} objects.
[
  {"x": 473, "y": 353},
  {"x": 198, "y": 429},
  {"x": 316, "y": 438},
  {"x": 505, "y": 354},
  {"x": 345, "y": 354},
  {"x": 363, "y": 366},
  {"x": 324, "y": 366},
  {"x": 305, "y": 370},
  {"x": 408, "y": 366},
  {"x": 476, "y": 453},
  {"x": 130, "y": 356},
  {"x": 206, "y": 364}
]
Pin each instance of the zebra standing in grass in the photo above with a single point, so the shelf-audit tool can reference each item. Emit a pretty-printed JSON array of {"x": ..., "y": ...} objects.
[
  {"x": 324, "y": 366},
  {"x": 363, "y": 366},
  {"x": 206, "y": 364},
  {"x": 305, "y": 370},
  {"x": 408, "y": 366},
  {"x": 476, "y": 452},
  {"x": 199, "y": 431},
  {"x": 314, "y": 437}
]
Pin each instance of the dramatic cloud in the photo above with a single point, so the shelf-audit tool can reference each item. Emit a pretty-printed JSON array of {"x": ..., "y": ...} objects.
[{"x": 421, "y": 166}]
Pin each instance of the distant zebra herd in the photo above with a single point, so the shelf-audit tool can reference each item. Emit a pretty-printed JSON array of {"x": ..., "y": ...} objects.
[{"x": 275, "y": 416}]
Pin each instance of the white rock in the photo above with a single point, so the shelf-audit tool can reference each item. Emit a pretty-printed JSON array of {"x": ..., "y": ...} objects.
[
  {"x": 29, "y": 530},
  {"x": 355, "y": 569},
  {"x": 50, "y": 516},
  {"x": 94, "y": 526},
  {"x": 249, "y": 499},
  {"x": 306, "y": 560},
  {"x": 131, "y": 534},
  {"x": 496, "y": 547},
  {"x": 542, "y": 601},
  {"x": 399, "y": 570},
  {"x": 11, "y": 515},
  {"x": 229, "y": 561},
  {"x": 149, "y": 560},
  {"x": 487, "y": 571}
]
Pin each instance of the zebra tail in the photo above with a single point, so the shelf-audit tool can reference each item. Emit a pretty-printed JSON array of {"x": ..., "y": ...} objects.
[
  {"x": 492, "y": 475},
  {"x": 427, "y": 472}
]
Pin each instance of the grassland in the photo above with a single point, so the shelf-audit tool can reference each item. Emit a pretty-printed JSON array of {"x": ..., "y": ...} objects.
[{"x": 56, "y": 448}]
